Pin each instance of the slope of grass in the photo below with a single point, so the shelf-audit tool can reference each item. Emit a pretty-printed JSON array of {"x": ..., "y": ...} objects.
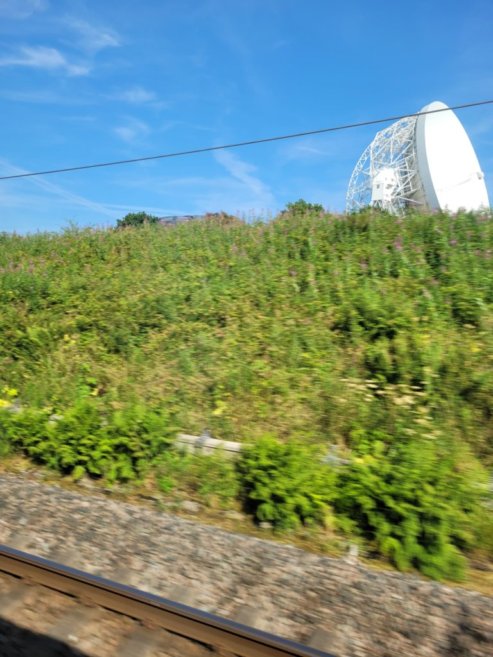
[
  {"x": 360, "y": 331},
  {"x": 289, "y": 328}
]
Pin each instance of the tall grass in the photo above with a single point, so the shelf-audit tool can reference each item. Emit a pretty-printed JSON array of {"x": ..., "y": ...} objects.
[{"x": 291, "y": 327}]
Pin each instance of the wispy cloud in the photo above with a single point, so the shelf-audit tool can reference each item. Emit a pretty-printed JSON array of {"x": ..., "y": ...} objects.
[
  {"x": 134, "y": 95},
  {"x": 242, "y": 171},
  {"x": 7, "y": 168},
  {"x": 196, "y": 194},
  {"x": 44, "y": 97},
  {"x": 322, "y": 149},
  {"x": 133, "y": 130},
  {"x": 80, "y": 118},
  {"x": 259, "y": 193},
  {"x": 21, "y": 9},
  {"x": 303, "y": 150},
  {"x": 92, "y": 38},
  {"x": 43, "y": 58},
  {"x": 138, "y": 96}
]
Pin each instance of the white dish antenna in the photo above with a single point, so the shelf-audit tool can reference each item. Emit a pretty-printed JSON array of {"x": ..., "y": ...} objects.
[{"x": 425, "y": 161}]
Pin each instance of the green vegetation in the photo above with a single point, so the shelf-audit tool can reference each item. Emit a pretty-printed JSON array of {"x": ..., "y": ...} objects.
[
  {"x": 213, "y": 479},
  {"x": 410, "y": 498},
  {"x": 136, "y": 219},
  {"x": 369, "y": 332},
  {"x": 119, "y": 444},
  {"x": 303, "y": 207},
  {"x": 286, "y": 483}
]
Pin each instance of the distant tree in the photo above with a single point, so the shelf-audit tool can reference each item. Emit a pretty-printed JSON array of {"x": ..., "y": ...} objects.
[
  {"x": 136, "y": 219},
  {"x": 302, "y": 207}
]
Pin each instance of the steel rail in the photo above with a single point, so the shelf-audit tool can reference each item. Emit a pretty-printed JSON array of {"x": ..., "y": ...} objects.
[{"x": 151, "y": 609}]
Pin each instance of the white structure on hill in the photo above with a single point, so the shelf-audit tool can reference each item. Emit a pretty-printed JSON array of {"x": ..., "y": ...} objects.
[{"x": 425, "y": 161}]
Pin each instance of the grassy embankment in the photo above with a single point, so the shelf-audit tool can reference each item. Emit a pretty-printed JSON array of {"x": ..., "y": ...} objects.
[{"x": 369, "y": 332}]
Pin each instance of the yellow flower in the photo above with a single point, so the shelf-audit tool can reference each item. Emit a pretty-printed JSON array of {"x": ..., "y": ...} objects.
[
  {"x": 10, "y": 392},
  {"x": 220, "y": 408}
]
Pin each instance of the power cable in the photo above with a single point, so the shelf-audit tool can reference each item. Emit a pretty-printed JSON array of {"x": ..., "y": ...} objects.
[{"x": 251, "y": 142}]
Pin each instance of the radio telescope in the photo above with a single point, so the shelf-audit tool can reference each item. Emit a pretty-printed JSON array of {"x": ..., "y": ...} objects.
[{"x": 424, "y": 161}]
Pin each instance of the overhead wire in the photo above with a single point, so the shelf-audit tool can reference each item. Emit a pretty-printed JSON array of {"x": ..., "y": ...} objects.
[{"x": 250, "y": 142}]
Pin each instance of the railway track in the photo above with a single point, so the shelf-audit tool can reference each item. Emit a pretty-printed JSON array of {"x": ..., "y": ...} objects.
[{"x": 70, "y": 612}]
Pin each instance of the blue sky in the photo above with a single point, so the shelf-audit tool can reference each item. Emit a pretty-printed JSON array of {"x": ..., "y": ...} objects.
[{"x": 84, "y": 81}]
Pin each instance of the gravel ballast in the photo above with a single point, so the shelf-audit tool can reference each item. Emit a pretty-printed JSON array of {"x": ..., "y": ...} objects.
[{"x": 357, "y": 611}]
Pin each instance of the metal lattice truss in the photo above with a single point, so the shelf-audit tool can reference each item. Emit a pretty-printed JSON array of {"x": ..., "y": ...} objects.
[{"x": 386, "y": 175}]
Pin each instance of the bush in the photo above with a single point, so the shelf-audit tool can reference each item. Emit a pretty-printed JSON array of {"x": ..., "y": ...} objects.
[
  {"x": 411, "y": 499},
  {"x": 118, "y": 445},
  {"x": 136, "y": 219},
  {"x": 285, "y": 483},
  {"x": 303, "y": 207},
  {"x": 25, "y": 430}
]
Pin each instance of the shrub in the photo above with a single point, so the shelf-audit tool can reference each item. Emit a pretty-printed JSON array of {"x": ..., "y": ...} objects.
[
  {"x": 285, "y": 483},
  {"x": 136, "y": 436},
  {"x": 26, "y": 430},
  {"x": 136, "y": 219},
  {"x": 118, "y": 445},
  {"x": 411, "y": 499},
  {"x": 303, "y": 207}
]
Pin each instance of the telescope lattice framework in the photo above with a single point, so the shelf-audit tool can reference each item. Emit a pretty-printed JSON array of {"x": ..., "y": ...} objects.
[
  {"x": 424, "y": 161},
  {"x": 386, "y": 174}
]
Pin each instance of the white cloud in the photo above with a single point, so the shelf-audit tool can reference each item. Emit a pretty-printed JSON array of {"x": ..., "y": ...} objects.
[
  {"x": 243, "y": 172},
  {"x": 196, "y": 194},
  {"x": 138, "y": 95},
  {"x": 20, "y": 9},
  {"x": 132, "y": 131},
  {"x": 7, "y": 168},
  {"x": 315, "y": 148},
  {"x": 92, "y": 38},
  {"x": 303, "y": 150},
  {"x": 44, "y": 97},
  {"x": 135, "y": 95},
  {"x": 41, "y": 57},
  {"x": 238, "y": 191}
]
